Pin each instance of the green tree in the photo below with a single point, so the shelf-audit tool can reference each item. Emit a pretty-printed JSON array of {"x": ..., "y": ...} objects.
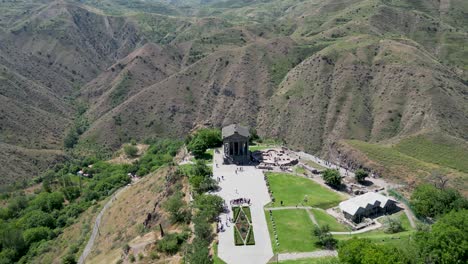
[
  {"x": 210, "y": 205},
  {"x": 172, "y": 242},
  {"x": 36, "y": 218},
  {"x": 324, "y": 237},
  {"x": 48, "y": 202},
  {"x": 177, "y": 208},
  {"x": 364, "y": 251},
  {"x": 203, "y": 139},
  {"x": 199, "y": 252},
  {"x": 429, "y": 201},
  {"x": 447, "y": 241},
  {"x": 36, "y": 234},
  {"x": 332, "y": 177},
  {"x": 71, "y": 139},
  {"x": 361, "y": 175},
  {"x": 393, "y": 225}
]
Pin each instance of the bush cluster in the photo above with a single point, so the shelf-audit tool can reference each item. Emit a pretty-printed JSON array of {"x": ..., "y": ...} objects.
[{"x": 202, "y": 140}]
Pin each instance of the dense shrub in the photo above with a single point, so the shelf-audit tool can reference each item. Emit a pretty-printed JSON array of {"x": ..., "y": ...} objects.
[
  {"x": 200, "y": 178},
  {"x": 332, "y": 177},
  {"x": 361, "y": 175},
  {"x": 393, "y": 225},
  {"x": 210, "y": 205},
  {"x": 202, "y": 140},
  {"x": 131, "y": 151},
  {"x": 177, "y": 207},
  {"x": 429, "y": 201},
  {"x": 199, "y": 252},
  {"x": 36, "y": 234},
  {"x": 324, "y": 237},
  {"x": 48, "y": 202},
  {"x": 361, "y": 251},
  {"x": 171, "y": 243},
  {"x": 36, "y": 218},
  {"x": 447, "y": 241}
]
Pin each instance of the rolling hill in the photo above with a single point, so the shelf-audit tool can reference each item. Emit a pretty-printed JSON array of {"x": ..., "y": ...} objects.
[{"x": 316, "y": 74}]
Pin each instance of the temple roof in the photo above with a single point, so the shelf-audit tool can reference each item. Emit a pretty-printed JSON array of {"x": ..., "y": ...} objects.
[{"x": 235, "y": 129}]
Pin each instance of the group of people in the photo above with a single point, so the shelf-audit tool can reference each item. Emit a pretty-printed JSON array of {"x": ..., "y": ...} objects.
[
  {"x": 220, "y": 178},
  {"x": 240, "y": 201},
  {"x": 239, "y": 169},
  {"x": 220, "y": 225}
]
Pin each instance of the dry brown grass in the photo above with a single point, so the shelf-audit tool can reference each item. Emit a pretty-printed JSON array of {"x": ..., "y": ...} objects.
[{"x": 123, "y": 222}]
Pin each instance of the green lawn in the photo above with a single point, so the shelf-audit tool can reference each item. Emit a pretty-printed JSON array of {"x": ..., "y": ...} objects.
[
  {"x": 261, "y": 147},
  {"x": 216, "y": 259},
  {"x": 294, "y": 229},
  {"x": 402, "y": 217},
  {"x": 293, "y": 189},
  {"x": 325, "y": 219},
  {"x": 313, "y": 164},
  {"x": 323, "y": 260},
  {"x": 401, "y": 239},
  {"x": 299, "y": 170}
]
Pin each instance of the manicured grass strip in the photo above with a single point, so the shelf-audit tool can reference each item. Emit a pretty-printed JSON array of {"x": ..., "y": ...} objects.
[
  {"x": 235, "y": 212},
  {"x": 216, "y": 259},
  {"x": 247, "y": 212},
  {"x": 293, "y": 189},
  {"x": 325, "y": 219},
  {"x": 294, "y": 229},
  {"x": 261, "y": 147},
  {"x": 323, "y": 260},
  {"x": 250, "y": 237},
  {"x": 238, "y": 241}
]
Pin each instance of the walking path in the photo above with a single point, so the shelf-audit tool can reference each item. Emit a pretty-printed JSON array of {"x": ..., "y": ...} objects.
[
  {"x": 249, "y": 184},
  {"x": 313, "y": 254},
  {"x": 97, "y": 223},
  {"x": 409, "y": 214}
]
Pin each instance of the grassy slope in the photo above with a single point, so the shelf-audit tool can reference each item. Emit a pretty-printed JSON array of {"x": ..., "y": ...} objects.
[
  {"x": 416, "y": 158},
  {"x": 292, "y": 189},
  {"x": 441, "y": 151},
  {"x": 294, "y": 229},
  {"x": 325, "y": 219}
]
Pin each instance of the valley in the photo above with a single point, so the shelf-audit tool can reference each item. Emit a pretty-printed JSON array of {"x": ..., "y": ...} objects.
[{"x": 113, "y": 142}]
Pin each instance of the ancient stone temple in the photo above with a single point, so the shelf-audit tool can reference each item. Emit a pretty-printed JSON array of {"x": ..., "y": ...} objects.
[{"x": 236, "y": 144}]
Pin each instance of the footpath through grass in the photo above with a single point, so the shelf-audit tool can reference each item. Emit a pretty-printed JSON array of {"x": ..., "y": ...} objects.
[
  {"x": 325, "y": 219},
  {"x": 294, "y": 190},
  {"x": 294, "y": 229}
]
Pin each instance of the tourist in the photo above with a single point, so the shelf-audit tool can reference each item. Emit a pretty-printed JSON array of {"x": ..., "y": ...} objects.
[{"x": 281, "y": 202}]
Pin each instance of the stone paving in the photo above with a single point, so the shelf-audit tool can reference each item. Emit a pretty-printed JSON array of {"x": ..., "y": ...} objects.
[{"x": 249, "y": 184}]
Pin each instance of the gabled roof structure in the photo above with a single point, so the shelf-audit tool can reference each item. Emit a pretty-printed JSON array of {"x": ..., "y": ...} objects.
[
  {"x": 364, "y": 202},
  {"x": 235, "y": 129}
]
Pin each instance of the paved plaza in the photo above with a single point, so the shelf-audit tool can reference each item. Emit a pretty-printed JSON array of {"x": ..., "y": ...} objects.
[{"x": 249, "y": 184}]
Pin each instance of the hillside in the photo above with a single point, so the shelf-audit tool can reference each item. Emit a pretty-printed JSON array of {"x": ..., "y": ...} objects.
[{"x": 311, "y": 73}]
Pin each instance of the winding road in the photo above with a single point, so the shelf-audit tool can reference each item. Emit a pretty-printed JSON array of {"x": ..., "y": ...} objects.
[{"x": 97, "y": 223}]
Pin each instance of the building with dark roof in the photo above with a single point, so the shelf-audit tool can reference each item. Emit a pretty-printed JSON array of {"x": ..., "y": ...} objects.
[
  {"x": 236, "y": 144},
  {"x": 367, "y": 205}
]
